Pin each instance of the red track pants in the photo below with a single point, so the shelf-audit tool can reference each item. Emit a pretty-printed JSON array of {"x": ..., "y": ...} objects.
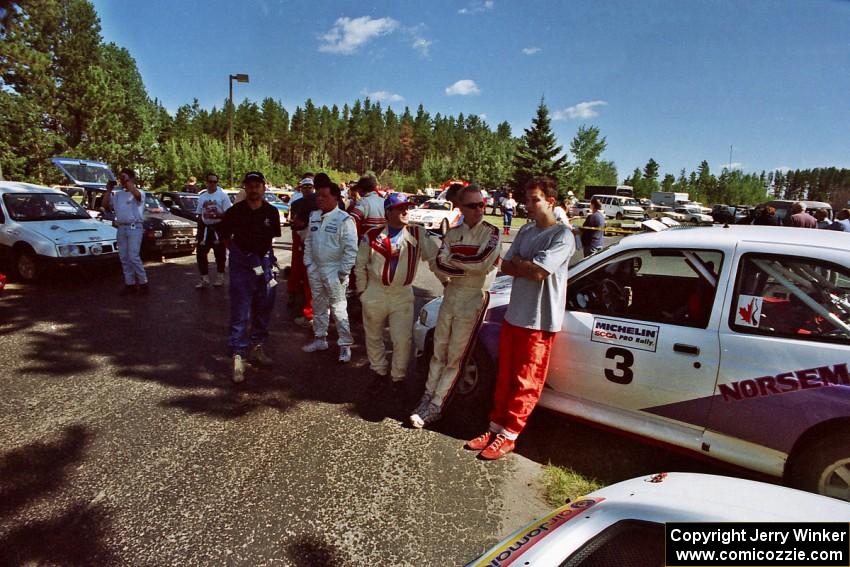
[
  {"x": 298, "y": 283},
  {"x": 523, "y": 364}
]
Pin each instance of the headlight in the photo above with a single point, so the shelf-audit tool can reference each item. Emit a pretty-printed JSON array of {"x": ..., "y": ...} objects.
[
  {"x": 423, "y": 317},
  {"x": 70, "y": 250}
]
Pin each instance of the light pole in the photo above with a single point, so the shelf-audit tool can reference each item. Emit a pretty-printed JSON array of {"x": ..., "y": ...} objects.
[{"x": 240, "y": 78}]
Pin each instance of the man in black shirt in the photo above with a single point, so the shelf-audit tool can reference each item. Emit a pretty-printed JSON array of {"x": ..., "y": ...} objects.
[{"x": 248, "y": 229}]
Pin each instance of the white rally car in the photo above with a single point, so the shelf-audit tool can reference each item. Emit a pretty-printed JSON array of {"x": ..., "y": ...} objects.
[
  {"x": 42, "y": 228},
  {"x": 732, "y": 342},
  {"x": 623, "y": 524},
  {"x": 437, "y": 215}
]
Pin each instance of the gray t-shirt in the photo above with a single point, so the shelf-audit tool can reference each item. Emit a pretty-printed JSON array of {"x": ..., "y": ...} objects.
[{"x": 540, "y": 305}]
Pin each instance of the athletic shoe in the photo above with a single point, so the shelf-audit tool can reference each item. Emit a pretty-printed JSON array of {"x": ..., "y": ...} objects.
[
  {"x": 480, "y": 443},
  {"x": 204, "y": 283},
  {"x": 423, "y": 403},
  {"x": 317, "y": 344},
  {"x": 345, "y": 354},
  {"x": 430, "y": 414},
  {"x": 219, "y": 280},
  {"x": 500, "y": 447},
  {"x": 259, "y": 357},
  {"x": 238, "y": 369}
]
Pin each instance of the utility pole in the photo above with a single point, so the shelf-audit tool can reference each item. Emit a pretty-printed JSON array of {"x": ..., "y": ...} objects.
[{"x": 241, "y": 78}]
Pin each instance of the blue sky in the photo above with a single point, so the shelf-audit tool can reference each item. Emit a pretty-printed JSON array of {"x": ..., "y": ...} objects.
[{"x": 679, "y": 81}]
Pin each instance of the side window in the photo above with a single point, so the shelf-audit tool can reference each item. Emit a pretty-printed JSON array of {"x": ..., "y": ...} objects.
[
  {"x": 793, "y": 297},
  {"x": 672, "y": 286}
]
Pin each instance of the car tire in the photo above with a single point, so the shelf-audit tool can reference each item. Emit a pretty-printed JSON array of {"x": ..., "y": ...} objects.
[
  {"x": 816, "y": 466},
  {"x": 444, "y": 227},
  {"x": 619, "y": 216},
  {"x": 25, "y": 264}
]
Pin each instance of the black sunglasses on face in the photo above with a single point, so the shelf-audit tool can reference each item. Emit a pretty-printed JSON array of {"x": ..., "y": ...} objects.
[{"x": 478, "y": 205}]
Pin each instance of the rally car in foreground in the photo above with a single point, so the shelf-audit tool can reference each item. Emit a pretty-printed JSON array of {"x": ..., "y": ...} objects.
[
  {"x": 732, "y": 342},
  {"x": 623, "y": 524}
]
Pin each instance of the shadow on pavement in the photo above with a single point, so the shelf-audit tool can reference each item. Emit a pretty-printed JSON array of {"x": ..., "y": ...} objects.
[
  {"x": 312, "y": 550},
  {"x": 28, "y": 477}
]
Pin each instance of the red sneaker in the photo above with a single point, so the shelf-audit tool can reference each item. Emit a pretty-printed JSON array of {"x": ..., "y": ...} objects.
[
  {"x": 500, "y": 447},
  {"x": 480, "y": 442}
]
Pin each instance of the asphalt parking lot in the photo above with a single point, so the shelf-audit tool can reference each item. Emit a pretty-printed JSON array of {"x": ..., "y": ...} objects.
[{"x": 122, "y": 441}]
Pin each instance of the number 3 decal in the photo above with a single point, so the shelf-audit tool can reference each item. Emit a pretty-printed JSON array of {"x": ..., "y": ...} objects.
[{"x": 624, "y": 366}]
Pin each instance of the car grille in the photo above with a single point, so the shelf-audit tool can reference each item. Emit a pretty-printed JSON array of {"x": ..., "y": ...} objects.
[{"x": 189, "y": 232}]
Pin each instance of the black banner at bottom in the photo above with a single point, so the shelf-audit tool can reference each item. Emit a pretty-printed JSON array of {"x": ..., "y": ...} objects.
[{"x": 754, "y": 544}]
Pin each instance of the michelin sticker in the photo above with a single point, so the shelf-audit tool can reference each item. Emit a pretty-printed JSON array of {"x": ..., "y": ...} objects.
[
  {"x": 627, "y": 334},
  {"x": 748, "y": 313}
]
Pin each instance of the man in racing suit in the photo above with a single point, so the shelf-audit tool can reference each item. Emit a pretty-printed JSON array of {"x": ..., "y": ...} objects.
[
  {"x": 330, "y": 250},
  {"x": 467, "y": 257},
  {"x": 368, "y": 213},
  {"x": 387, "y": 260}
]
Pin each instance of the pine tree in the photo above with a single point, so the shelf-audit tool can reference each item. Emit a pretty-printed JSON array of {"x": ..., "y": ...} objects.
[{"x": 538, "y": 153}]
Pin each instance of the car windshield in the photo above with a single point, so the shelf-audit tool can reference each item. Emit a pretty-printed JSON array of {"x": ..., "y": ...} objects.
[
  {"x": 42, "y": 206},
  {"x": 632, "y": 203},
  {"x": 86, "y": 173},
  {"x": 152, "y": 204},
  {"x": 438, "y": 205},
  {"x": 188, "y": 203}
]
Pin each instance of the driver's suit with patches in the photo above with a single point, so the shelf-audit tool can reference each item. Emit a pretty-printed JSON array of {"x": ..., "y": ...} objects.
[
  {"x": 330, "y": 249},
  {"x": 467, "y": 258},
  {"x": 385, "y": 269}
]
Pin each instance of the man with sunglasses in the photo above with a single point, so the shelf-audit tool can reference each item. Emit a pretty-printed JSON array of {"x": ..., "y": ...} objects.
[
  {"x": 387, "y": 260},
  {"x": 212, "y": 205},
  {"x": 467, "y": 258}
]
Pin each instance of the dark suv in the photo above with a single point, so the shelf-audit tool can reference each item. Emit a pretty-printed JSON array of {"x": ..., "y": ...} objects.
[
  {"x": 165, "y": 233},
  {"x": 181, "y": 204}
]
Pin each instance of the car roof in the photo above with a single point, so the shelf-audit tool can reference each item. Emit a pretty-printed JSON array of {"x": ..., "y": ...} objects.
[
  {"x": 21, "y": 187},
  {"x": 808, "y": 204},
  {"x": 725, "y": 236},
  {"x": 180, "y": 193}
]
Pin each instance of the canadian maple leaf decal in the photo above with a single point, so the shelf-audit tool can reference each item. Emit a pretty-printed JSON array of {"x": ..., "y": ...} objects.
[{"x": 749, "y": 312}]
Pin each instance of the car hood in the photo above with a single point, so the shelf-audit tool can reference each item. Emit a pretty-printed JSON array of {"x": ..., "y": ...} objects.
[
  {"x": 72, "y": 231},
  {"x": 169, "y": 219}
]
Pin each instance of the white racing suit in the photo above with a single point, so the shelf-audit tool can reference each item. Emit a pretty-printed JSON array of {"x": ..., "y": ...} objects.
[
  {"x": 387, "y": 292},
  {"x": 330, "y": 249},
  {"x": 467, "y": 257},
  {"x": 368, "y": 213}
]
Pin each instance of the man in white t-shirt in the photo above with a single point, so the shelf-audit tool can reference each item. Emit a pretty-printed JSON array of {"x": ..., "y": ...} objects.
[
  {"x": 212, "y": 205},
  {"x": 537, "y": 260},
  {"x": 129, "y": 206},
  {"x": 508, "y": 210}
]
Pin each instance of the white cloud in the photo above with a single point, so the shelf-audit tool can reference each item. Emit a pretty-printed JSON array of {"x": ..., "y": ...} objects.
[
  {"x": 531, "y": 50},
  {"x": 383, "y": 96},
  {"x": 421, "y": 45},
  {"x": 463, "y": 87},
  {"x": 348, "y": 34},
  {"x": 477, "y": 7},
  {"x": 782, "y": 169},
  {"x": 482, "y": 116},
  {"x": 581, "y": 110}
]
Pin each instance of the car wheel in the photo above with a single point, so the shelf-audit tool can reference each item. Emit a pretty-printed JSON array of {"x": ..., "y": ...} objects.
[
  {"x": 473, "y": 394},
  {"x": 26, "y": 265},
  {"x": 823, "y": 467},
  {"x": 444, "y": 227},
  {"x": 619, "y": 216}
]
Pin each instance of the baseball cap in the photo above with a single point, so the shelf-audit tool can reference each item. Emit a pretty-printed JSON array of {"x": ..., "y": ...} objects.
[
  {"x": 396, "y": 200},
  {"x": 253, "y": 176},
  {"x": 305, "y": 181},
  {"x": 367, "y": 183}
]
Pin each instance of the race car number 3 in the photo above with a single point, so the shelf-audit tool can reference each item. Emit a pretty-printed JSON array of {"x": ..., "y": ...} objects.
[{"x": 623, "y": 361}]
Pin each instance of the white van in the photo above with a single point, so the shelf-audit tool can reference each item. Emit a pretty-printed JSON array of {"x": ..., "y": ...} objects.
[
  {"x": 42, "y": 227},
  {"x": 618, "y": 207}
]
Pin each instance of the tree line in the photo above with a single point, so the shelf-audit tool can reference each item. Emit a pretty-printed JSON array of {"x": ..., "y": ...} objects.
[{"x": 64, "y": 91}]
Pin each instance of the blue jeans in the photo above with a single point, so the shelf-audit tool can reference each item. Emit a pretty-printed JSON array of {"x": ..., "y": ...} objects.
[
  {"x": 129, "y": 251},
  {"x": 251, "y": 300},
  {"x": 507, "y": 217}
]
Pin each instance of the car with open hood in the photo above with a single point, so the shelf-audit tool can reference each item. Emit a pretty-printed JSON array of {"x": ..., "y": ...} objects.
[
  {"x": 731, "y": 342},
  {"x": 43, "y": 228},
  {"x": 165, "y": 234}
]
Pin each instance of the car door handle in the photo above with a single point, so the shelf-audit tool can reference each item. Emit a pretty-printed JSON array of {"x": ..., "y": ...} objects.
[{"x": 686, "y": 349}]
